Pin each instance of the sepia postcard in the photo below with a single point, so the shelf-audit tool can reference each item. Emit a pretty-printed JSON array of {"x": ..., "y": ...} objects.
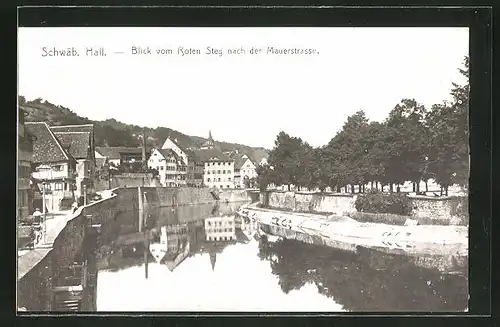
[{"x": 243, "y": 169}]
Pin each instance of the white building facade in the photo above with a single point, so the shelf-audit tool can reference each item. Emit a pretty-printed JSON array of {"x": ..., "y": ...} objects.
[
  {"x": 220, "y": 228},
  {"x": 171, "y": 167},
  {"x": 219, "y": 173}
]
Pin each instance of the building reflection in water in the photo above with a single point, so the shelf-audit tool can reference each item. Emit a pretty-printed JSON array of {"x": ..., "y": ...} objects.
[
  {"x": 366, "y": 281},
  {"x": 176, "y": 234}
]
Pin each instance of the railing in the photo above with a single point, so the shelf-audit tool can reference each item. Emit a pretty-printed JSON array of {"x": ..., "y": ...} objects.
[{"x": 49, "y": 175}]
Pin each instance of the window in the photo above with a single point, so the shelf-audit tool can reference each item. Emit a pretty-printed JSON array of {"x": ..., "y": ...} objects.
[
  {"x": 218, "y": 172},
  {"x": 161, "y": 167},
  {"x": 227, "y": 186},
  {"x": 229, "y": 179},
  {"x": 157, "y": 167},
  {"x": 219, "y": 181},
  {"x": 155, "y": 154},
  {"x": 224, "y": 171},
  {"x": 208, "y": 179},
  {"x": 221, "y": 185},
  {"x": 57, "y": 168}
]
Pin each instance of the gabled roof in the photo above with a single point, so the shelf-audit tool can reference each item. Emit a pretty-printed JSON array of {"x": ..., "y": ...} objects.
[
  {"x": 240, "y": 160},
  {"x": 171, "y": 153},
  {"x": 206, "y": 155},
  {"x": 109, "y": 152},
  {"x": 77, "y": 143},
  {"x": 258, "y": 155},
  {"x": 114, "y": 152},
  {"x": 46, "y": 147},
  {"x": 180, "y": 143},
  {"x": 89, "y": 128}
]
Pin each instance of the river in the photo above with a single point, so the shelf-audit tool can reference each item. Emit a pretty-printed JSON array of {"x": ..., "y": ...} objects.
[{"x": 202, "y": 258}]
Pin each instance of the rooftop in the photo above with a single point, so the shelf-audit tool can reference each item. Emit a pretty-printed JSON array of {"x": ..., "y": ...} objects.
[
  {"x": 171, "y": 153},
  {"x": 115, "y": 152},
  {"x": 239, "y": 160},
  {"x": 205, "y": 155},
  {"x": 89, "y": 128},
  {"x": 78, "y": 143},
  {"x": 46, "y": 147},
  {"x": 258, "y": 155}
]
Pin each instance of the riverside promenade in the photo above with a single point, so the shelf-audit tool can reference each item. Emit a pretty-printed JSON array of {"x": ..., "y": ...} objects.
[
  {"x": 348, "y": 234},
  {"x": 27, "y": 259}
]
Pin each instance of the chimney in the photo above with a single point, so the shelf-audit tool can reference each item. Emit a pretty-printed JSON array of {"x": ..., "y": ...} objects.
[{"x": 144, "y": 163}]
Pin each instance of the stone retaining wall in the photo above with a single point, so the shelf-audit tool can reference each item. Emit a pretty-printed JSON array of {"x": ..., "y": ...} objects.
[
  {"x": 435, "y": 208},
  {"x": 166, "y": 196},
  {"x": 127, "y": 180},
  {"x": 235, "y": 195},
  {"x": 34, "y": 288}
]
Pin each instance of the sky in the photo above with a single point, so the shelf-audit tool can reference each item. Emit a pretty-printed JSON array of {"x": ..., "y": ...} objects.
[{"x": 242, "y": 98}]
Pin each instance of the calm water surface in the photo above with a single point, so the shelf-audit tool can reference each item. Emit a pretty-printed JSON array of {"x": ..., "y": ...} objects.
[{"x": 202, "y": 258}]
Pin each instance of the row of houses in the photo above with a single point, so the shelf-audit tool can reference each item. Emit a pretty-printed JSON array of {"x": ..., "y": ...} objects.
[
  {"x": 181, "y": 164},
  {"x": 54, "y": 162},
  {"x": 61, "y": 163},
  {"x": 208, "y": 165}
]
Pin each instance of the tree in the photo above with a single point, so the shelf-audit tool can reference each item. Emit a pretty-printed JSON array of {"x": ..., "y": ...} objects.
[
  {"x": 376, "y": 153},
  {"x": 283, "y": 157},
  {"x": 406, "y": 128},
  {"x": 319, "y": 171},
  {"x": 460, "y": 113},
  {"x": 304, "y": 169},
  {"x": 265, "y": 176},
  {"x": 246, "y": 181},
  {"x": 448, "y": 134},
  {"x": 347, "y": 149}
]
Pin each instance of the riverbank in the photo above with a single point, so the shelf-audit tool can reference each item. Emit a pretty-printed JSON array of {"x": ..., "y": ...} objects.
[
  {"x": 425, "y": 243},
  {"x": 427, "y": 210}
]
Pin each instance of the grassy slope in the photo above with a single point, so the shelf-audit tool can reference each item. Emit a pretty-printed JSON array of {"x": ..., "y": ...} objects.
[{"x": 114, "y": 133}]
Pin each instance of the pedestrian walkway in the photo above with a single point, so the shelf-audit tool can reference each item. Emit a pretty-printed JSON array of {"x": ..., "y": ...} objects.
[{"x": 27, "y": 259}]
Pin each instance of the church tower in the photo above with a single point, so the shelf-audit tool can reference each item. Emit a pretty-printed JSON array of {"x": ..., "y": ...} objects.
[{"x": 210, "y": 143}]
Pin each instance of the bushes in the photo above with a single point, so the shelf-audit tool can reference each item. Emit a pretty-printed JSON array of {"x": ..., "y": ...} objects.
[{"x": 377, "y": 202}]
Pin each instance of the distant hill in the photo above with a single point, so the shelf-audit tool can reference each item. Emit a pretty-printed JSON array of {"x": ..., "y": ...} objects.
[{"x": 111, "y": 132}]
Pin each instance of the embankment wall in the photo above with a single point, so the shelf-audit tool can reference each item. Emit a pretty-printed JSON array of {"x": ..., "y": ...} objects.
[
  {"x": 166, "y": 196},
  {"x": 127, "y": 180},
  {"x": 34, "y": 288},
  {"x": 442, "y": 208}
]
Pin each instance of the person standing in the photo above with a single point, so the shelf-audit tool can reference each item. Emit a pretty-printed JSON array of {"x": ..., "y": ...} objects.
[
  {"x": 32, "y": 237},
  {"x": 74, "y": 207}
]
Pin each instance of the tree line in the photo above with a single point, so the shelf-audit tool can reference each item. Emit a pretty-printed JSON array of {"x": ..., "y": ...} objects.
[{"x": 412, "y": 144}]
